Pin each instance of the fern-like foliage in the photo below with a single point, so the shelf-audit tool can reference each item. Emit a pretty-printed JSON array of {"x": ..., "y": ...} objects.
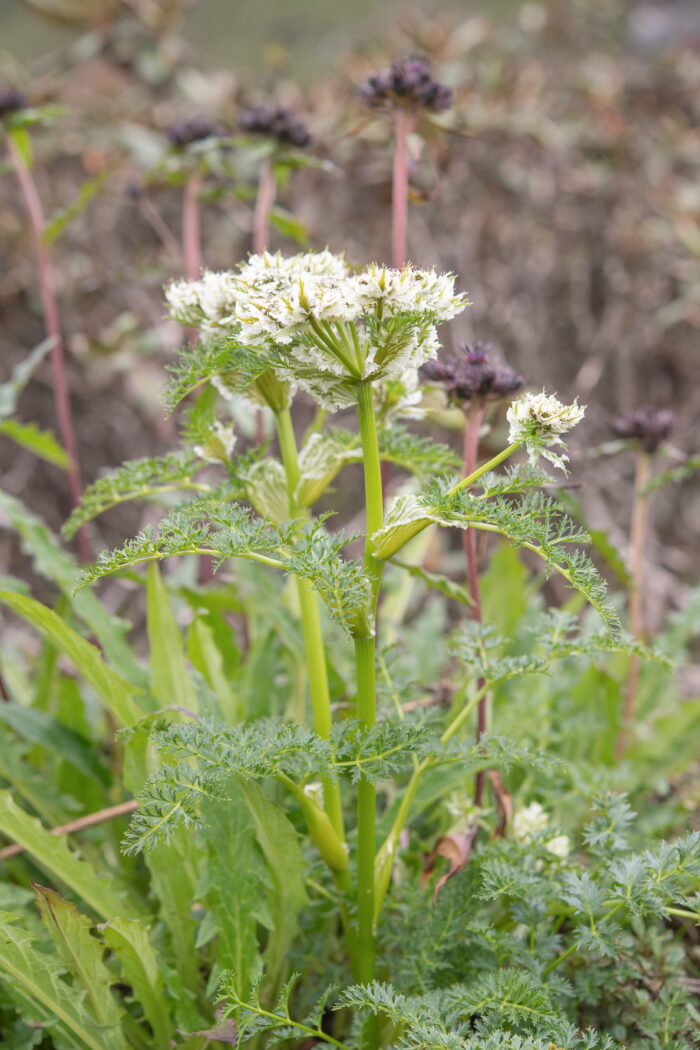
[
  {"x": 206, "y": 754},
  {"x": 236, "y": 365},
  {"x": 137, "y": 479},
  {"x": 276, "y": 1024},
  {"x": 224, "y": 529},
  {"x": 419, "y": 455},
  {"x": 533, "y": 521},
  {"x": 555, "y": 636}
]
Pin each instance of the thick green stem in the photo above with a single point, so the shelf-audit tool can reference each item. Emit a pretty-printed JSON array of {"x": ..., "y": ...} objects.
[
  {"x": 366, "y": 691},
  {"x": 311, "y": 627}
]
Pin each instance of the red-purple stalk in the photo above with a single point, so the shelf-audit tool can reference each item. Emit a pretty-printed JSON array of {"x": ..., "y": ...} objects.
[
  {"x": 474, "y": 415},
  {"x": 191, "y": 228},
  {"x": 403, "y": 124},
  {"x": 267, "y": 191},
  {"x": 53, "y": 331}
]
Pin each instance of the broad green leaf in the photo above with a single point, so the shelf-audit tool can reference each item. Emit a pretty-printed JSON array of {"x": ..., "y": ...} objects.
[
  {"x": 129, "y": 941},
  {"x": 280, "y": 845},
  {"x": 170, "y": 682},
  {"x": 41, "y": 442},
  {"x": 29, "y": 784},
  {"x": 53, "y": 855},
  {"x": 52, "y": 562},
  {"x": 23, "y": 142},
  {"x": 40, "y": 728},
  {"x": 205, "y": 655},
  {"x": 233, "y": 877},
  {"x": 174, "y": 880},
  {"x": 21, "y": 374},
  {"x": 113, "y": 690},
  {"x": 83, "y": 956},
  {"x": 37, "y": 985}
]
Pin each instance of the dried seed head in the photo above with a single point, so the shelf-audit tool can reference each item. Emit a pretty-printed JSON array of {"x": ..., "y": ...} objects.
[
  {"x": 277, "y": 121},
  {"x": 11, "y": 100},
  {"x": 410, "y": 81},
  {"x": 474, "y": 374},
  {"x": 647, "y": 424},
  {"x": 183, "y": 132}
]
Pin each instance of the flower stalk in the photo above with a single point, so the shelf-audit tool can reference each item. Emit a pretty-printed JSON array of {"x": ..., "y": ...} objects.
[{"x": 53, "y": 330}]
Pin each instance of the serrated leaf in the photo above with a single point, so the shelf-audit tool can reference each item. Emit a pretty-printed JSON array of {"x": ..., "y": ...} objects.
[
  {"x": 83, "y": 956},
  {"x": 53, "y": 855},
  {"x": 170, "y": 681},
  {"x": 50, "y": 561},
  {"x": 36, "y": 980},
  {"x": 114, "y": 691},
  {"x": 280, "y": 846},
  {"x": 129, "y": 941}
]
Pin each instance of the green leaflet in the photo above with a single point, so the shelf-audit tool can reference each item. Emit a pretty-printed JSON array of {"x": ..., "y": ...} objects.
[
  {"x": 234, "y": 876},
  {"x": 129, "y": 941},
  {"x": 41, "y": 442},
  {"x": 51, "y": 852},
  {"x": 279, "y": 843},
  {"x": 55, "y": 564},
  {"x": 82, "y": 954},
  {"x": 114, "y": 691},
  {"x": 170, "y": 682},
  {"x": 36, "y": 981}
]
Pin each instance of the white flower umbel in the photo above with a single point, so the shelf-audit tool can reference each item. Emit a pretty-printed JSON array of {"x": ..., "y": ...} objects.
[
  {"x": 531, "y": 822},
  {"x": 538, "y": 421},
  {"x": 336, "y": 330}
]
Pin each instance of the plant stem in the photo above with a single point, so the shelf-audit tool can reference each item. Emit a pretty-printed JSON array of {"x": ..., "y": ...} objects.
[
  {"x": 53, "y": 331},
  {"x": 366, "y": 694},
  {"x": 311, "y": 626},
  {"x": 638, "y": 531},
  {"x": 267, "y": 190},
  {"x": 191, "y": 226},
  {"x": 402, "y": 128},
  {"x": 474, "y": 416}
]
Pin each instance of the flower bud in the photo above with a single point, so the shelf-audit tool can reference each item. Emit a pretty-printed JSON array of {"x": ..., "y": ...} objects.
[
  {"x": 473, "y": 374},
  {"x": 407, "y": 81},
  {"x": 647, "y": 424},
  {"x": 184, "y": 132},
  {"x": 11, "y": 100},
  {"x": 278, "y": 122}
]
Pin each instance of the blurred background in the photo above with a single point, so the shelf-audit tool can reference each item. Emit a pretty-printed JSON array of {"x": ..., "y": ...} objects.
[{"x": 563, "y": 187}]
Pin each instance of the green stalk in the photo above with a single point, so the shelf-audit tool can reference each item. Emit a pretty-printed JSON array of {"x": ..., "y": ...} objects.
[
  {"x": 311, "y": 627},
  {"x": 366, "y": 690}
]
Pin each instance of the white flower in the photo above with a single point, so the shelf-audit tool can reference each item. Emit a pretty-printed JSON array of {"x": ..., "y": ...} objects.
[
  {"x": 559, "y": 846},
  {"x": 409, "y": 290},
  {"x": 537, "y": 420},
  {"x": 217, "y": 297},
  {"x": 183, "y": 299},
  {"x": 528, "y": 822}
]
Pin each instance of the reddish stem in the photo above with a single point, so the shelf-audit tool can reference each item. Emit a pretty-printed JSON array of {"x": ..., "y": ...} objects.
[
  {"x": 638, "y": 532},
  {"x": 474, "y": 416},
  {"x": 53, "y": 331},
  {"x": 403, "y": 125},
  {"x": 267, "y": 191},
  {"x": 191, "y": 231}
]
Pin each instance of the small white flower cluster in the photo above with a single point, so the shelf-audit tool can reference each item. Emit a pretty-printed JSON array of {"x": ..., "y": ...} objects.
[
  {"x": 335, "y": 328},
  {"x": 530, "y": 822},
  {"x": 538, "y": 420}
]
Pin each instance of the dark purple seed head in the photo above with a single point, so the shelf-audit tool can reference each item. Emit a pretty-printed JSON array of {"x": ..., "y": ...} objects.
[
  {"x": 185, "y": 132},
  {"x": 11, "y": 100},
  {"x": 276, "y": 121},
  {"x": 407, "y": 81},
  {"x": 473, "y": 373},
  {"x": 647, "y": 424}
]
